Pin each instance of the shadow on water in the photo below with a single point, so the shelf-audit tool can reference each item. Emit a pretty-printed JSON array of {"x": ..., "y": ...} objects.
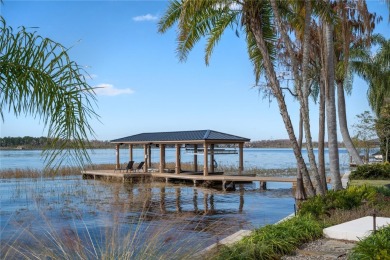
[{"x": 101, "y": 218}]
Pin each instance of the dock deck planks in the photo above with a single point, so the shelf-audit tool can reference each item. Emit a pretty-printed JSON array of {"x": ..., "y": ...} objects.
[{"x": 195, "y": 178}]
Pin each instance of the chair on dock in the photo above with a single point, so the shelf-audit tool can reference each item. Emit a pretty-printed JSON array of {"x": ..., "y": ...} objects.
[
  {"x": 139, "y": 167},
  {"x": 129, "y": 167}
]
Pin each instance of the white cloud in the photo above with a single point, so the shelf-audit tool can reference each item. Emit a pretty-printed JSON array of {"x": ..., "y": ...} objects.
[
  {"x": 145, "y": 18},
  {"x": 110, "y": 90}
]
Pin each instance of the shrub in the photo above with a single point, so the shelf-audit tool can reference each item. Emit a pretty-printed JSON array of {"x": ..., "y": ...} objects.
[
  {"x": 376, "y": 246},
  {"x": 273, "y": 241},
  {"x": 385, "y": 191},
  {"x": 377, "y": 171},
  {"x": 350, "y": 198}
]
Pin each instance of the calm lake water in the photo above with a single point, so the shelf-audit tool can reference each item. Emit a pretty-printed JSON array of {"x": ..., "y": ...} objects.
[
  {"x": 148, "y": 218},
  {"x": 253, "y": 157}
]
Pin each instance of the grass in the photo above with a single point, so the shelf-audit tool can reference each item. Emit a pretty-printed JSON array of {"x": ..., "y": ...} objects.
[
  {"x": 71, "y": 171},
  {"x": 375, "y": 183}
]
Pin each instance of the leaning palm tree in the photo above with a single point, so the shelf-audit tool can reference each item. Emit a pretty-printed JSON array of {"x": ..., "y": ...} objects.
[
  {"x": 210, "y": 18},
  {"x": 351, "y": 35},
  {"x": 38, "y": 78}
]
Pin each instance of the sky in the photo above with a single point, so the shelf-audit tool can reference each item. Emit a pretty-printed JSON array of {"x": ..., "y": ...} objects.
[{"x": 143, "y": 85}]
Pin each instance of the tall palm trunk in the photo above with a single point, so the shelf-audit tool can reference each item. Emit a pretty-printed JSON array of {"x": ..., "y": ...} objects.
[
  {"x": 305, "y": 100},
  {"x": 301, "y": 84},
  {"x": 321, "y": 137},
  {"x": 300, "y": 190},
  {"x": 277, "y": 92},
  {"x": 344, "y": 126},
  {"x": 330, "y": 105}
]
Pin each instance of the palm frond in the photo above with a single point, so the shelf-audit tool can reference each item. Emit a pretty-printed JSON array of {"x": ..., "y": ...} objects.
[
  {"x": 223, "y": 21},
  {"x": 171, "y": 16},
  {"x": 38, "y": 78}
]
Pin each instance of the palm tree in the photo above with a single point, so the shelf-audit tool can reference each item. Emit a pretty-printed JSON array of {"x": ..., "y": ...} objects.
[
  {"x": 330, "y": 105},
  {"x": 300, "y": 69},
  {"x": 375, "y": 70},
  {"x": 197, "y": 19},
  {"x": 350, "y": 36},
  {"x": 38, "y": 78}
]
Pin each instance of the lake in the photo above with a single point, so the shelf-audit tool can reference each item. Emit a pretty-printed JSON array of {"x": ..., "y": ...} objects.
[
  {"x": 253, "y": 157},
  {"x": 62, "y": 216}
]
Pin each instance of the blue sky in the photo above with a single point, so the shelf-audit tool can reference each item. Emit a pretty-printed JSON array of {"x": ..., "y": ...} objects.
[{"x": 146, "y": 88}]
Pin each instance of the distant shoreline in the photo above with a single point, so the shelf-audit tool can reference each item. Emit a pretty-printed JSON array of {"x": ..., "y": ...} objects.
[{"x": 282, "y": 143}]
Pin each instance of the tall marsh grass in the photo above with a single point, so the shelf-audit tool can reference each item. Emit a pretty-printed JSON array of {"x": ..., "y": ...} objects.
[
  {"x": 73, "y": 219},
  {"x": 70, "y": 171}
]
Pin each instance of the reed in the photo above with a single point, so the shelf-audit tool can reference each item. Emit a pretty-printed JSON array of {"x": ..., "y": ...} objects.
[
  {"x": 71, "y": 171},
  {"x": 115, "y": 221}
]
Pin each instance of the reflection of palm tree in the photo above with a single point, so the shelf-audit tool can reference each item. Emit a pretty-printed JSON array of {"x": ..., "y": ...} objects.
[
  {"x": 162, "y": 200},
  {"x": 241, "y": 206},
  {"x": 178, "y": 199},
  {"x": 195, "y": 201}
]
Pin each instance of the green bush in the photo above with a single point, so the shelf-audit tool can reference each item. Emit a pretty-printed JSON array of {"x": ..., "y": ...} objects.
[
  {"x": 376, "y": 246},
  {"x": 273, "y": 241},
  {"x": 350, "y": 198},
  {"x": 385, "y": 191},
  {"x": 377, "y": 171}
]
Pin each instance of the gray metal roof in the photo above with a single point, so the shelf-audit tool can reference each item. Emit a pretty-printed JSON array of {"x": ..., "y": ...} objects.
[{"x": 181, "y": 137}]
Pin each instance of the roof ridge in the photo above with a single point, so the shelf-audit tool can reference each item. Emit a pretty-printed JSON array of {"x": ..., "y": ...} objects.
[{"x": 207, "y": 134}]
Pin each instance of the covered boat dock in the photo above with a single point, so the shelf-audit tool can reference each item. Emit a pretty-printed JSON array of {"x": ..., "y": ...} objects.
[{"x": 200, "y": 141}]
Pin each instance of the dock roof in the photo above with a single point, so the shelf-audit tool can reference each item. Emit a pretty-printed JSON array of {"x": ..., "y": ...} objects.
[{"x": 195, "y": 136}]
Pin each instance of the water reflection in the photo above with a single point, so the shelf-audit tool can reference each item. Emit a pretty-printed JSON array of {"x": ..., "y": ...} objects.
[
  {"x": 164, "y": 200},
  {"x": 196, "y": 213}
]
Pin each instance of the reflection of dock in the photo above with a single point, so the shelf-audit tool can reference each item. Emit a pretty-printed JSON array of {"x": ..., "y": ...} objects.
[{"x": 196, "y": 179}]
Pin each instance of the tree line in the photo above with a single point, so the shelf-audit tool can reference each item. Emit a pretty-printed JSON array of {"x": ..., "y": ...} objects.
[{"x": 28, "y": 142}]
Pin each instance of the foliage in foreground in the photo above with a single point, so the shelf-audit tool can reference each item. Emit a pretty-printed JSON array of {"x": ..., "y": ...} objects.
[
  {"x": 376, "y": 246},
  {"x": 321, "y": 206},
  {"x": 376, "y": 171},
  {"x": 38, "y": 78},
  {"x": 273, "y": 241}
]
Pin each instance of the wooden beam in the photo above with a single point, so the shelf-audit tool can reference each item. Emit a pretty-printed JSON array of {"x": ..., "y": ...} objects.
[
  {"x": 177, "y": 168},
  {"x": 241, "y": 158},
  {"x": 205, "y": 160},
  {"x": 150, "y": 156},
  {"x": 131, "y": 152},
  {"x": 118, "y": 164},
  {"x": 162, "y": 157},
  {"x": 145, "y": 158},
  {"x": 212, "y": 158},
  {"x": 195, "y": 157}
]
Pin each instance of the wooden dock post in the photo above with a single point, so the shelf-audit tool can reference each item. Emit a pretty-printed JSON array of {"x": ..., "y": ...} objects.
[
  {"x": 205, "y": 163},
  {"x": 177, "y": 168}
]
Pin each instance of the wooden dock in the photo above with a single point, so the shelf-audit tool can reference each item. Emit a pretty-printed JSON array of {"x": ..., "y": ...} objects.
[{"x": 196, "y": 179}]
